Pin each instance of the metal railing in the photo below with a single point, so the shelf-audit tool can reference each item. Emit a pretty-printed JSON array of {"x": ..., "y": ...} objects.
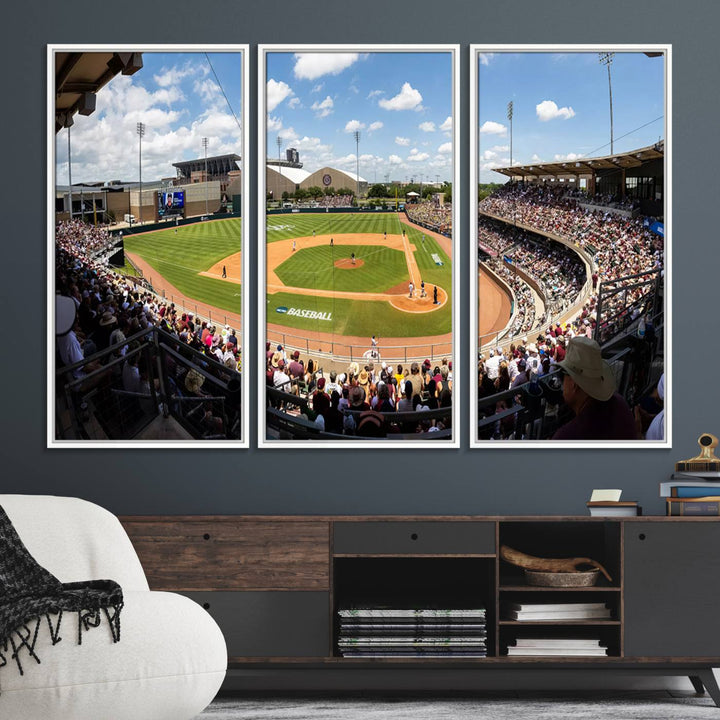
[
  {"x": 115, "y": 394},
  {"x": 344, "y": 352},
  {"x": 534, "y": 410},
  {"x": 284, "y": 417}
]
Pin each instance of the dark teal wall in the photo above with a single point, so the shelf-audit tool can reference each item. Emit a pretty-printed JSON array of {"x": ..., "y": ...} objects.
[{"x": 552, "y": 481}]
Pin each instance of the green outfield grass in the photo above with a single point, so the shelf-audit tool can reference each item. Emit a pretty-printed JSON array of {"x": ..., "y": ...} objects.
[
  {"x": 290, "y": 225},
  {"x": 314, "y": 267},
  {"x": 181, "y": 257},
  {"x": 383, "y": 269},
  {"x": 357, "y": 317}
]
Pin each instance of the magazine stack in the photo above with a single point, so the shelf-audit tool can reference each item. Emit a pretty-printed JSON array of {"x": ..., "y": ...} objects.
[{"x": 376, "y": 632}]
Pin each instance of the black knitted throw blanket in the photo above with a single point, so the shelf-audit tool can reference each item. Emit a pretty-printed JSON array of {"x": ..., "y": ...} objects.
[{"x": 31, "y": 597}]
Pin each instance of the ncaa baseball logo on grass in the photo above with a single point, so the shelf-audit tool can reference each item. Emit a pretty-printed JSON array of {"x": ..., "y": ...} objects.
[{"x": 298, "y": 312}]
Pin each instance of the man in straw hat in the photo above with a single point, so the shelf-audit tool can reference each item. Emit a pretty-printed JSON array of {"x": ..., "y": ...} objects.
[{"x": 590, "y": 392}]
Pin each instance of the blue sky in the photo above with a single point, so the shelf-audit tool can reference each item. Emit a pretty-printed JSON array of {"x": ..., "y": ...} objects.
[
  {"x": 561, "y": 106},
  {"x": 178, "y": 98},
  {"x": 400, "y": 102}
]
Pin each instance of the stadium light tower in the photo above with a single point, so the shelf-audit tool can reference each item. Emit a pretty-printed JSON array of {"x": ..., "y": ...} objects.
[
  {"x": 68, "y": 123},
  {"x": 357, "y": 163},
  {"x": 140, "y": 132},
  {"x": 607, "y": 59},
  {"x": 205, "y": 144},
  {"x": 510, "y": 117},
  {"x": 279, "y": 142}
]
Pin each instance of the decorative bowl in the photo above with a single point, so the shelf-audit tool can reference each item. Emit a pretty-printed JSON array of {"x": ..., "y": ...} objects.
[{"x": 583, "y": 578}]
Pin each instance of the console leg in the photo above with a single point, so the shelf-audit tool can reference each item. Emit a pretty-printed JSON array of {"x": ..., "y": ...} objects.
[
  {"x": 697, "y": 684},
  {"x": 708, "y": 680}
]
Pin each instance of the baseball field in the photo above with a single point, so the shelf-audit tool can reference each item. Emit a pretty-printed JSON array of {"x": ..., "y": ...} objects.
[
  {"x": 350, "y": 274},
  {"x": 191, "y": 259}
]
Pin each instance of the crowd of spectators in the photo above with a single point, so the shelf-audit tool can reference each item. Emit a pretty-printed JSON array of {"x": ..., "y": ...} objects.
[
  {"x": 496, "y": 235},
  {"x": 514, "y": 368},
  {"x": 355, "y": 402},
  {"x": 619, "y": 246},
  {"x": 110, "y": 308},
  {"x": 524, "y": 311},
  {"x": 604, "y": 200},
  {"x": 333, "y": 201},
  {"x": 431, "y": 215},
  {"x": 556, "y": 268}
]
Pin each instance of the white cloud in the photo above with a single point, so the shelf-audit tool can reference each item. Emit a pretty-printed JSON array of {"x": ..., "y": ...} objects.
[
  {"x": 446, "y": 127},
  {"x": 375, "y": 126},
  {"x": 569, "y": 156},
  {"x": 402, "y": 141},
  {"x": 173, "y": 76},
  {"x": 354, "y": 125},
  {"x": 489, "y": 166},
  {"x": 489, "y": 155},
  {"x": 493, "y": 128},
  {"x": 500, "y": 148},
  {"x": 324, "y": 108},
  {"x": 485, "y": 58},
  {"x": 318, "y": 88},
  {"x": 274, "y": 124},
  {"x": 276, "y": 93},
  {"x": 445, "y": 148},
  {"x": 407, "y": 99},
  {"x": 289, "y": 135},
  {"x": 548, "y": 110},
  {"x": 395, "y": 160},
  {"x": 417, "y": 156},
  {"x": 536, "y": 158},
  {"x": 294, "y": 103},
  {"x": 346, "y": 160},
  {"x": 374, "y": 93},
  {"x": 173, "y": 94},
  {"x": 309, "y": 66},
  {"x": 427, "y": 126},
  {"x": 102, "y": 142}
]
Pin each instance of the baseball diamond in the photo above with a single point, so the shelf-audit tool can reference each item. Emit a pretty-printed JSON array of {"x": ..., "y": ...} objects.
[{"x": 353, "y": 270}]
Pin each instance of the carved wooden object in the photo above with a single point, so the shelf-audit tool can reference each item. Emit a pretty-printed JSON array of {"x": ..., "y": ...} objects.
[{"x": 529, "y": 562}]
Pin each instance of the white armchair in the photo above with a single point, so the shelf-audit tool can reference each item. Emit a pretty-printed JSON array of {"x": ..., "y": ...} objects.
[{"x": 171, "y": 658}]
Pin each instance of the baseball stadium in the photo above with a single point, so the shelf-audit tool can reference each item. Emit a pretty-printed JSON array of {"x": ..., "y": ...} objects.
[
  {"x": 357, "y": 293},
  {"x": 571, "y": 292},
  {"x": 358, "y": 274},
  {"x": 148, "y": 275}
]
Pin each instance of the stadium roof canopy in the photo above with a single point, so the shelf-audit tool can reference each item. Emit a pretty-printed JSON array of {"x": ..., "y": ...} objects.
[
  {"x": 587, "y": 166},
  {"x": 217, "y": 165},
  {"x": 294, "y": 175},
  {"x": 78, "y": 77}
]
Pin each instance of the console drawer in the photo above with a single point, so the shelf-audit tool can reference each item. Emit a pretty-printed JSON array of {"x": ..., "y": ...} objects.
[
  {"x": 270, "y": 624},
  {"x": 232, "y": 554},
  {"x": 411, "y": 537}
]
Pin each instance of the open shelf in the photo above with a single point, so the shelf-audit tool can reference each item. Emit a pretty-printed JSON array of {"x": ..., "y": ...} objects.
[{"x": 413, "y": 583}]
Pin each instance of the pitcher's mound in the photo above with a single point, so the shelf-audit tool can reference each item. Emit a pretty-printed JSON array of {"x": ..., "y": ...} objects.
[{"x": 347, "y": 263}]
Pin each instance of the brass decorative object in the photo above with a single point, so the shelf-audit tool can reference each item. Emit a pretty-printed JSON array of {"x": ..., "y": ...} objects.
[
  {"x": 572, "y": 565},
  {"x": 706, "y": 461}
]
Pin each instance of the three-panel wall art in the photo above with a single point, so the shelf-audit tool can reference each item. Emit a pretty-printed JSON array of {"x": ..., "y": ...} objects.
[{"x": 373, "y": 269}]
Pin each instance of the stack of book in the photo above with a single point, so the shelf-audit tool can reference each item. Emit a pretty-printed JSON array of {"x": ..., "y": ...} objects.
[
  {"x": 610, "y": 508},
  {"x": 425, "y": 632},
  {"x": 567, "y": 647},
  {"x": 692, "y": 493},
  {"x": 534, "y": 612}
]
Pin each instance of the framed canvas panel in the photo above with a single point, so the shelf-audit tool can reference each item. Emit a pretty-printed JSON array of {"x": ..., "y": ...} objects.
[
  {"x": 357, "y": 208},
  {"x": 570, "y": 200},
  {"x": 146, "y": 280}
]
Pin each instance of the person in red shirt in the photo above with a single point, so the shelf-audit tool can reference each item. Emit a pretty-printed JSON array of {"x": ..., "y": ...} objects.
[{"x": 589, "y": 390}]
